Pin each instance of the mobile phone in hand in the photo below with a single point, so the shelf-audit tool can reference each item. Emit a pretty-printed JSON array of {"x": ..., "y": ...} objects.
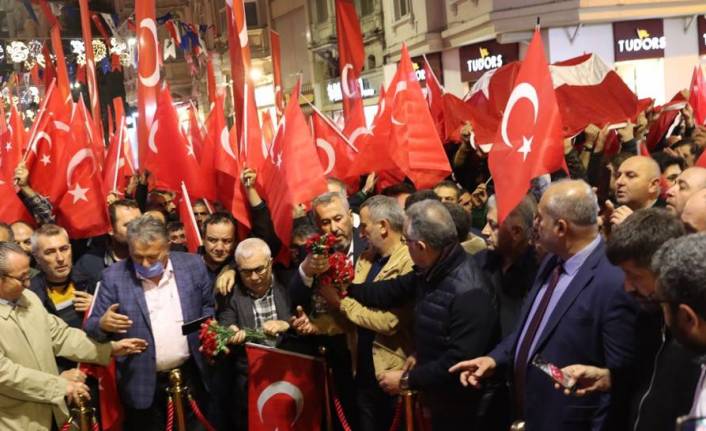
[{"x": 554, "y": 372}]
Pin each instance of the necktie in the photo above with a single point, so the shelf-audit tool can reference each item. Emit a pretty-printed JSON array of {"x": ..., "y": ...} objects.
[{"x": 530, "y": 334}]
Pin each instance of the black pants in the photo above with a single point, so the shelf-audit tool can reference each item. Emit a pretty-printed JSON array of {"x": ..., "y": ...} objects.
[
  {"x": 154, "y": 418},
  {"x": 375, "y": 408}
]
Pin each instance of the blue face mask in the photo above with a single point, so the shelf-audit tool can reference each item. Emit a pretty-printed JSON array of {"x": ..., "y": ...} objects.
[{"x": 152, "y": 271}]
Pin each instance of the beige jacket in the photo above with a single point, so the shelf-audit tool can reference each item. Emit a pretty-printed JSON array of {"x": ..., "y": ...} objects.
[
  {"x": 393, "y": 341},
  {"x": 31, "y": 391}
]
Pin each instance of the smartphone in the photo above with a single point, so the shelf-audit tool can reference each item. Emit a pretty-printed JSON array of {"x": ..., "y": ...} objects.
[{"x": 554, "y": 372}]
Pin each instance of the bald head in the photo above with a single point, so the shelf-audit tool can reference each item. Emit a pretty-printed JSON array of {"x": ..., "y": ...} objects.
[
  {"x": 694, "y": 214},
  {"x": 637, "y": 182},
  {"x": 573, "y": 201},
  {"x": 689, "y": 182}
]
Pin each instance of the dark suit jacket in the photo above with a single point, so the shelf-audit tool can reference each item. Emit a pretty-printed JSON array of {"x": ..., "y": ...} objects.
[
  {"x": 592, "y": 324},
  {"x": 137, "y": 374}
]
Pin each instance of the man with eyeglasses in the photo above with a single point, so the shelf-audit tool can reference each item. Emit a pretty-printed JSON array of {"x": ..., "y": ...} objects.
[
  {"x": 665, "y": 373},
  {"x": 259, "y": 301},
  {"x": 32, "y": 392}
]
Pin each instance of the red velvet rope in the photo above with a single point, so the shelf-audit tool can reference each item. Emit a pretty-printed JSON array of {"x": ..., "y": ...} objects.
[
  {"x": 199, "y": 415},
  {"x": 339, "y": 412},
  {"x": 397, "y": 419},
  {"x": 170, "y": 414},
  {"x": 95, "y": 425},
  {"x": 420, "y": 418},
  {"x": 66, "y": 427}
]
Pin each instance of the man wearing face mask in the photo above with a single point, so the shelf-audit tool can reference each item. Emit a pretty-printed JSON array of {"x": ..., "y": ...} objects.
[
  {"x": 149, "y": 296},
  {"x": 665, "y": 373}
]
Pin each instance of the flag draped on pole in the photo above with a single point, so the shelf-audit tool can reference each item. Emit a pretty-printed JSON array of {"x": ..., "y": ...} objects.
[
  {"x": 351, "y": 59},
  {"x": 435, "y": 93},
  {"x": 239, "y": 55},
  {"x": 335, "y": 151},
  {"x": 285, "y": 390},
  {"x": 277, "y": 72},
  {"x": 191, "y": 228},
  {"x": 293, "y": 174},
  {"x": 12, "y": 208},
  {"x": 697, "y": 96},
  {"x": 529, "y": 141},
  {"x": 91, "y": 68},
  {"x": 147, "y": 71}
]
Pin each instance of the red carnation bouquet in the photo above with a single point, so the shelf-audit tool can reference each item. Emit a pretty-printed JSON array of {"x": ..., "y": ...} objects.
[
  {"x": 214, "y": 338},
  {"x": 340, "y": 272}
]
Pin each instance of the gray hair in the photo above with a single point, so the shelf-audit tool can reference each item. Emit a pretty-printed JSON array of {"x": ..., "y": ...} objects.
[
  {"x": 680, "y": 267},
  {"x": 48, "y": 229},
  {"x": 525, "y": 212},
  {"x": 385, "y": 208},
  {"x": 251, "y": 246},
  {"x": 6, "y": 249},
  {"x": 328, "y": 197},
  {"x": 430, "y": 221},
  {"x": 146, "y": 229},
  {"x": 579, "y": 208},
  {"x": 332, "y": 181}
]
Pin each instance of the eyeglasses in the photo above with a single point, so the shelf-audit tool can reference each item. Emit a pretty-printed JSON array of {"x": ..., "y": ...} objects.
[
  {"x": 259, "y": 271},
  {"x": 24, "y": 280}
]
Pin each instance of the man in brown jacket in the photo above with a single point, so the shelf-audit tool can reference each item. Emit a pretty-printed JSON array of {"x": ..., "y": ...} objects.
[
  {"x": 382, "y": 339},
  {"x": 32, "y": 393}
]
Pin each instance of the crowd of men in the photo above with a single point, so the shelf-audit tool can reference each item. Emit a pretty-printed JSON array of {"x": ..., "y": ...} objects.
[{"x": 599, "y": 272}]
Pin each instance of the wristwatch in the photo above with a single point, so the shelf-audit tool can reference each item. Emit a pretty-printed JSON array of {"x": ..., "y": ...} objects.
[{"x": 404, "y": 381}]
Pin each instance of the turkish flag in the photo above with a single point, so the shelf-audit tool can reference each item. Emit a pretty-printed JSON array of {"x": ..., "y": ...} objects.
[
  {"x": 285, "y": 390},
  {"x": 351, "y": 59},
  {"x": 335, "y": 151},
  {"x": 434, "y": 95},
  {"x": 81, "y": 210},
  {"x": 239, "y": 55},
  {"x": 293, "y": 174},
  {"x": 93, "y": 134},
  {"x": 90, "y": 66},
  {"x": 13, "y": 143},
  {"x": 12, "y": 208},
  {"x": 529, "y": 142},
  {"x": 268, "y": 129},
  {"x": 118, "y": 166},
  {"x": 186, "y": 215},
  {"x": 697, "y": 96},
  {"x": 51, "y": 139},
  {"x": 277, "y": 72},
  {"x": 254, "y": 150},
  {"x": 668, "y": 116},
  {"x": 195, "y": 136},
  {"x": 147, "y": 72},
  {"x": 168, "y": 157}
]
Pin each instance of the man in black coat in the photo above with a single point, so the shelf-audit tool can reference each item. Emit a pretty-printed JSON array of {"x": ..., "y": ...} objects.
[
  {"x": 259, "y": 302},
  {"x": 455, "y": 315}
]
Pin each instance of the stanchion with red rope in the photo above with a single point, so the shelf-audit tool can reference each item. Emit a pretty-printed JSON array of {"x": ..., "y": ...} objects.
[
  {"x": 175, "y": 405},
  {"x": 397, "y": 418}
]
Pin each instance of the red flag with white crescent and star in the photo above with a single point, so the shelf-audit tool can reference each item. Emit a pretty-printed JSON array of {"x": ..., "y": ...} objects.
[
  {"x": 335, "y": 151},
  {"x": 277, "y": 72},
  {"x": 351, "y": 59},
  {"x": 697, "y": 96},
  {"x": 147, "y": 72},
  {"x": 12, "y": 208},
  {"x": 285, "y": 390},
  {"x": 168, "y": 157},
  {"x": 81, "y": 210},
  {"x": 529, "y": 142}
]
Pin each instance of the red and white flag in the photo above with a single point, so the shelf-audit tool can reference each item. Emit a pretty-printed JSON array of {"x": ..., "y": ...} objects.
[
  {"x": 277, "y": 72},
  {"x": 147, "y": 72},
  {"x": 529, "y": 142},
  {"x": 293, "y": 175},
  {"x": 191, "y": 227},
  {"x": 351, "y": 59},
  {"x": 285, "y": 390},
  {"x": 697, "y": 96},
  {"x": 335, "y": 151},
  {"x": 434, "y": 95}
]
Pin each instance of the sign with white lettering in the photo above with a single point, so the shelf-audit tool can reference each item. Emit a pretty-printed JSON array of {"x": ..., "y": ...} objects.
[
  {"x": 434, "y": 60},
  {"x": 636, "y": 40},
  {"x": 478, "y": 58},
  {"x": 335, "y": 95},
  {"x": 701, "y": 28}
]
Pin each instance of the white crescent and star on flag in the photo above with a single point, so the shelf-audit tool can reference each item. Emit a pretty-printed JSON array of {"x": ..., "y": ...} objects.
[
  {"x": 78, "y": 192},
  {"x": 281, "y": 387},
  {"x": 524, "y": 90}
]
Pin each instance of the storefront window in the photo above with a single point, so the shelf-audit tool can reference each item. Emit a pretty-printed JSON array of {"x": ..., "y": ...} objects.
[
  {"x": 644, "y": 77},
  {"x": 321, "y": 11}
]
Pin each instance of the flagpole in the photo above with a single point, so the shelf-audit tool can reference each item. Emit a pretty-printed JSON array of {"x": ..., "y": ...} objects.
[
  {"x": 117, "y": 157},
  {"x": 329, "y": 122},
  {"x": 436, "y": 80},
  {"x": 185, "y": 195}
]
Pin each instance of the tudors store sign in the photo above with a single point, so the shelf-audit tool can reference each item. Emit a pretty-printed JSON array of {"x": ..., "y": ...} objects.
[
  {"x": 701, "y": 28},
  {"x": 434, "y": 60},
  {"x": 481, "y": 57},
  {"x": 636, "y": 40}
]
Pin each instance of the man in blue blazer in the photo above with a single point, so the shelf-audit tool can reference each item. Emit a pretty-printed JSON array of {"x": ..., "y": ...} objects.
[
  {"x": 150, "y": 295},
  {"x": 576, "y": 312}
]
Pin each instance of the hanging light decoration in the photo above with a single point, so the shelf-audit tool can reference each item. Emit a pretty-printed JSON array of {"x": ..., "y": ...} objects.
[
  {"x": 99, "y": 50},
  {"x": 17, "y": 51},
  {"x": 117, "y": 46}
]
